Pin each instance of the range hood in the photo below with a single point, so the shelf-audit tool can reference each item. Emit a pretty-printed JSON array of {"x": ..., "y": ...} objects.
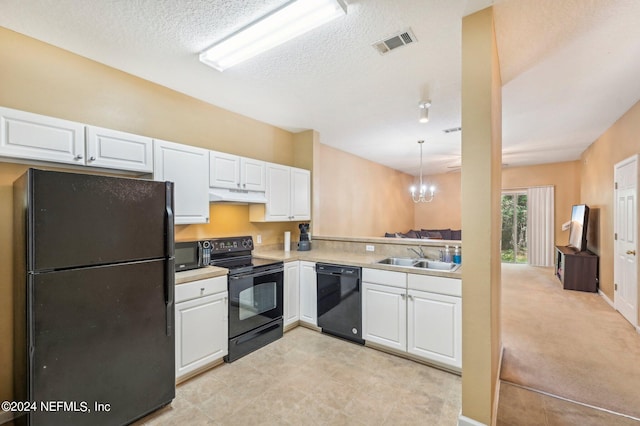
[{"x": 222, "y": 195}]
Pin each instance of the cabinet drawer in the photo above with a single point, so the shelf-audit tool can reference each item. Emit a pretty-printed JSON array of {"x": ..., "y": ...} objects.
[
  {"x": 380, "y": 276},
  {"x": 200, "y": 288},
  {"x": 433, "y": 284}
]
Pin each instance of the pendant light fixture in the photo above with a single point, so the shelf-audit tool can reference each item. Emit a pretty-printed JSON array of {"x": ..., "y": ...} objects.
[{"x": 419, "y": 194}]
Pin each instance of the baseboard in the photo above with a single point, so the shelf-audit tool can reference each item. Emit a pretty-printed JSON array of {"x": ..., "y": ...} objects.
[
  {"x": 466, "y": 421},
  {"x": 5, "y": 417},
  {"x": 496, "y": 394},
  {"x": 606, "y": 299}
]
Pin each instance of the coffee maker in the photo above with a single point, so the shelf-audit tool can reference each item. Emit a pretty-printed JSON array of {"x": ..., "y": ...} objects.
[{"x": 304, "y": 244}]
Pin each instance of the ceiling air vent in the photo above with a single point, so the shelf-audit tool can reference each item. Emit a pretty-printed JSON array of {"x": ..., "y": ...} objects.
[
  {"x": 452, "y": 130},
  {"x": 397, "y": 40}
]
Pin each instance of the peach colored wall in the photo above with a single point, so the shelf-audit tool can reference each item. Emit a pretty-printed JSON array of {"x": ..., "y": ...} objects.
[
  {"x": 445, "y": 210},
  {"x": 356, "y": 197},
  {"x": 565, "y": 178},
  {"x": 43, "y": 79},
  {"x": 620, "y": 141}
]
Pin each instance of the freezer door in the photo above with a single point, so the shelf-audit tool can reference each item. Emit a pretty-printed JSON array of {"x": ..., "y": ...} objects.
[
  {"x": 100, "y": 337},
  {"x": 81, "y": 220}
]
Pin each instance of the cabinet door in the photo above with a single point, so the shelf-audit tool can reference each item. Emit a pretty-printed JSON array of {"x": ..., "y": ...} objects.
[
  {"x": 434, "y": 325},
  {"x": 300, "y": 194},
  {"x": 224, "y": 170},
  {"x": 291, "y": 293},
  {"x": 188, "y": 168},
  {"x": 119, "y": 150},
  {"x": 278, "y": 206},
  {"x": 308, "y": 293},
  {"x": 252, "y": 173},
  {"x": 201, "y": 332},
  {"x": 384, "y": 315},
  {"x": 38, "y": 137}
]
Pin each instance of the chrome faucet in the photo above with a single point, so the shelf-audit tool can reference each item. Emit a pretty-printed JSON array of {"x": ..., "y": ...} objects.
[{"x": 419, "y": 253}]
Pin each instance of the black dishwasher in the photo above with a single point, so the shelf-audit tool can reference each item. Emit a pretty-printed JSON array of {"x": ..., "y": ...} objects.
[{"x": 339, "y": 301}]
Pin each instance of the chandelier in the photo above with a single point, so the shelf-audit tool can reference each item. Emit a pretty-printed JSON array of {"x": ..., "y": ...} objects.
[{"x": 419, "y": 194}]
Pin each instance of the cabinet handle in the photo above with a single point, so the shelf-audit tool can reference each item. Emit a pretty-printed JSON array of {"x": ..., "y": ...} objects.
[
  {"x": 244, "y": 185},
  {"x": 78, "y": 157},
  {"x": 632, "y": 252},
  {"x": 238, "y": 184},
  {"x": 403, "y": 296},
  {"x": 410, "y": 297},
  {"x": 92, "y": 158},
  {"x": 202, "y": 291}
]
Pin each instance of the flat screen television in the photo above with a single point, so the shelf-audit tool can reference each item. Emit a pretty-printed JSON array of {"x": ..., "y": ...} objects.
[{"x": 578, "y": 228}]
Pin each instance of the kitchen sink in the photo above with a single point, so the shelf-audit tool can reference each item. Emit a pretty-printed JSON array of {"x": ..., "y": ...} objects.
[
  {"x": 398, "y": 261},
  {"x": 419, "y": 263},
  {"x": 437, "y": 265}
]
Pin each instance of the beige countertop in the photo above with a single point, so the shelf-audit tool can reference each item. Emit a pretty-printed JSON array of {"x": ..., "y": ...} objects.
[
  {"x": 329, "y": 256},
  {"x": 344, "y": 258},
  {"x": 200, "y": 274}
]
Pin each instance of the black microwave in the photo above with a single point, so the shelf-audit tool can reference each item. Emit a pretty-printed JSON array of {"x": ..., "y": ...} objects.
[{"x": 192, "y": 255}]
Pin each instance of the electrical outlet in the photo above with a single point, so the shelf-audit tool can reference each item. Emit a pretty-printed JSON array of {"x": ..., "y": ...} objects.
[
  {"x": 370, "y": 247},
  {"x": 259, "y": 239}
]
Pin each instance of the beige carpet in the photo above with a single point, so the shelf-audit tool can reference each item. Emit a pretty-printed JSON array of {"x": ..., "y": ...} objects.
[{"x": 567, "y": 343}]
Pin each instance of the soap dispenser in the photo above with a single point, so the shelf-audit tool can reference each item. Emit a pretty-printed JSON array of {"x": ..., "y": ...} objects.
[{"x": 457, "y": 258}]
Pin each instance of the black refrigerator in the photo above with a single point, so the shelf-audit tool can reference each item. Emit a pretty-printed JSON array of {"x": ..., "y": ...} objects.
[{"x": 93, "y": 298}]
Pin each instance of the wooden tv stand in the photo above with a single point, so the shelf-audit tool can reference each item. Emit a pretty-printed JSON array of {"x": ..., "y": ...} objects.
[{"x": 577, "y": 270}]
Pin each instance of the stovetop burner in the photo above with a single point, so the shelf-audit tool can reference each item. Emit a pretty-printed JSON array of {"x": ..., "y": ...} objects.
[{"x": 234, "y": 253}]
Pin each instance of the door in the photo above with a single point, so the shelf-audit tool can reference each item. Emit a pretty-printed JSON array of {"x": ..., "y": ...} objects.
[
  {"x": 434, "y": 327},
  {"x": 188, "y": 168},
  {"x": 201, "y": 332},
  {"x": 626, "y": 237},
  {"x": 224, "y": 170},
  {"x": 291, "y": 293},
  {"x": 514, "y": 227},
  {"x": 384, "y": 315},
  {"x": 278, "y": 193},
  {"x": 308, "y": 293},
  {"x": 300, "y": 194},
  {"x": 38, "y": 137},
  {"x": 119, "y": 150},
  {"x": 255, "y": 299},
  {"x": 252, "y": 174},
  {"x": 71, "y": 212},
  {"x": 99, "y": 334}
]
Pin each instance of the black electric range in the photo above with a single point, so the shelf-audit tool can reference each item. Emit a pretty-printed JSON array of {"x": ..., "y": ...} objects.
[{"x": 255, "y": 295}]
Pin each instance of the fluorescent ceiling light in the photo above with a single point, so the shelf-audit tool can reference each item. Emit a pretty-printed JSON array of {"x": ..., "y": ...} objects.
[{"x": 294, "y": 18}]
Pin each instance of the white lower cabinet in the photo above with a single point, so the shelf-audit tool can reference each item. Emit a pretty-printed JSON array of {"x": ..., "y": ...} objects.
[
  {"x": 201, "y": 324},
  {"x": 417, "y": 314},
  {"x": 308, "y": 293},
  {"x": 291, "y": 311},
  {"x": 434, "y": 327},
  {"x": 384, "y": 313}
]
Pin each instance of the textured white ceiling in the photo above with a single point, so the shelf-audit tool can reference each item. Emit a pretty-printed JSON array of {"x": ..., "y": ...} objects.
[{"x": 569, "y": 68}]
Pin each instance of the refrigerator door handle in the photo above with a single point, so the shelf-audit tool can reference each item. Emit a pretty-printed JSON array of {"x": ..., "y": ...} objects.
[
  {"x": 170, "y": 280},
  {"x": 170, "y": 220}
]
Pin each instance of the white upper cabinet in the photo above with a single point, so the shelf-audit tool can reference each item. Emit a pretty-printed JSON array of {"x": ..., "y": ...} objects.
[
  {"x": 38, "y": 137},
  {"x": 300, "y": 194},
  {"x": 234, "y": 172},
  {"x": 252, "y": 174},
  {"x": 224, "y": 170},
  {"x": 288, "y": 195},
  {"x": 188, "y": 168},
  {"x": 119, "y": 150}
]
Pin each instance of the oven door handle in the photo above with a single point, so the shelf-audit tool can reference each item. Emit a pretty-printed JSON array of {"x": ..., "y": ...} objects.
[{"x": 255, "y": 274}]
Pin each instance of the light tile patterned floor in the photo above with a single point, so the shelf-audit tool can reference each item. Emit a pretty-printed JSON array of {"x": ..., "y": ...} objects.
[{"x": 307, "y": 378}]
